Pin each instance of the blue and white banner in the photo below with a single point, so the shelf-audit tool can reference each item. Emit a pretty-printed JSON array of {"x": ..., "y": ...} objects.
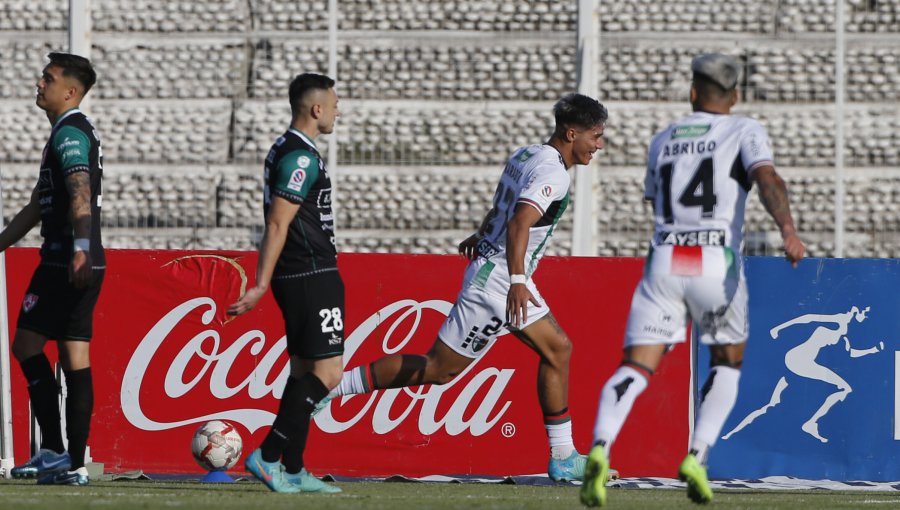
[{"x": 819, "y": 392}]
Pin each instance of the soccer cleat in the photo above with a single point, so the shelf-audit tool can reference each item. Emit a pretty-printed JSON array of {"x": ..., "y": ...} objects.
[
  {"x": 77, "y": 477},
  {"x": 570, "y": 468},
  {"x": 46, "y": 462},
  {"x": 309, "y": 483},
  {"x": 596, "y": 473},
  {"x": 694, "y": 474},
  {"x": 322, "y": 404},
  {"x": 269, "y": 473}
]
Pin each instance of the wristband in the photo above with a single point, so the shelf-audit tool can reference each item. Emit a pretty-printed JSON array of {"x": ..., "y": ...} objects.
[
  {"x": 517, "y": 278},
  {"x": 82, "y": 244}
]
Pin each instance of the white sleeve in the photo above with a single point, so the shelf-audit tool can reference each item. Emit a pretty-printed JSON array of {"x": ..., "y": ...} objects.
[
  {"x": 756, "y": 149},
  {"x": 650, "y": 177},
  {"x": 545, "y": 188}
]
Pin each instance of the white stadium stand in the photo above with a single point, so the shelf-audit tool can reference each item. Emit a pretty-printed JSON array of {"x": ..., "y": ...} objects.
[{"x": 435, "y": 94}]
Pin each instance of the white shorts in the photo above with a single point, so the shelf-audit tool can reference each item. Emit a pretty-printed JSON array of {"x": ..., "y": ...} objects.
[
  {"x": 665, "y": 299},
  {"x": 479, "y": 315}
]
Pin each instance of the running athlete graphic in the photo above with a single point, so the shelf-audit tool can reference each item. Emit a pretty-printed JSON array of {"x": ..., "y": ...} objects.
[
  {"x": 498, "y": 294},
  {"x": 59, "y": 302},
  {"x": 801, "y": 361},
  {"x": 699, "y": 171},
  {"x": 298, "y": 259}
]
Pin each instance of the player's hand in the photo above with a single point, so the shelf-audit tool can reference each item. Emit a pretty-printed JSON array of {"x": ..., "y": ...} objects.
[
  {"x": 794, "y": 249},
  {"x": 517, "y": 300},
  {"x": 80, "y": 270},
  {"x": 469, "y": 247},
  {"x": 247, "y": 301}
]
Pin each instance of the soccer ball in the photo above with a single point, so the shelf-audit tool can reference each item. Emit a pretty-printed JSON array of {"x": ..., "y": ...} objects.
[{"x": 217, "y": 445}]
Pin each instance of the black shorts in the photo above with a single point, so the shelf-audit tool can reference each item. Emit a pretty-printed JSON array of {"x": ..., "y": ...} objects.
[
  {"x": 313, "y": 310},
  {"x": 55, "y": 308}
]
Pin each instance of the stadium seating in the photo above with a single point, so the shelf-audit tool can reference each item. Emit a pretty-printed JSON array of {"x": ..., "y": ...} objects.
[{"x": 435, "y": 94}]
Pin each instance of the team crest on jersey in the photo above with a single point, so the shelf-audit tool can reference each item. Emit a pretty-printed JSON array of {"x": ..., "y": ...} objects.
[
  {"x": 29, "y": 301},
  {"x": 303, "y": 162},
  {"x": 547, "y": 190},
  {"x": 296, "y": 181}
]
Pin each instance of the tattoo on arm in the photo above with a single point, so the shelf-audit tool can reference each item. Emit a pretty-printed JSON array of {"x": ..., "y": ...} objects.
[
  {"x": 773, "y": 195},
  {"x": 78, "y": 185}
]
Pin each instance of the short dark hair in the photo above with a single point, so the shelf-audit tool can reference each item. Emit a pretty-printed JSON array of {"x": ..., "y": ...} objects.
[
  {"x": 75, "y": 66},
  {"x": 579, "y": 110},
  {"x": 303, "y": 84},
  {"x": 709, "y": 88}
]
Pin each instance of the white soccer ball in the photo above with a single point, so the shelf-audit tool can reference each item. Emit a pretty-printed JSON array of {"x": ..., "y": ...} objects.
[{"x": 217, "y": 445}]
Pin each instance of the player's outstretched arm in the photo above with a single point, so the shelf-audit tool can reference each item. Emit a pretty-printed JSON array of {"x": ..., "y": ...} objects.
[
  {"x": 281, "y": 213},
  {"x": 773, "y": 195},
  {"x": 22, "y": 222}
]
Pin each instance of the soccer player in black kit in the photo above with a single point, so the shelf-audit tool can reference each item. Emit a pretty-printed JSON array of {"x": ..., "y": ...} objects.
[
  {"x": 298, "y": 259},
  {"x": 60, "y": 299}
]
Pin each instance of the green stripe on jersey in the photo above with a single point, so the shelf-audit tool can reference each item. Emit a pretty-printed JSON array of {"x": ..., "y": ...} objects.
[
  {"x": 564, "y": 203},
  {"x": 483, "y": 274}
]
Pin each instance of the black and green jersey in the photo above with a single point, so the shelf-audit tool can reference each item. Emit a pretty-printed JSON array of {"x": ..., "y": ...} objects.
[
  {"x": 295, "y": 171},
  {"x": 74, "y": 146}
]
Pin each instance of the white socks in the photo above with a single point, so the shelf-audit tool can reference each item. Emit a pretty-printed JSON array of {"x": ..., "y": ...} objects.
[
  {"x": 559, "y": 432},
  {"x": 616, "y": 399},
  {"x": 353, "y": 382},
  {"x": 717, "y": 399}
]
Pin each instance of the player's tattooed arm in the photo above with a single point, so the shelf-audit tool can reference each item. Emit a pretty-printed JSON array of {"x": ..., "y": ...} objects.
[
  {"x": 78, "y": 184},
  {"x": 773, "y": 195}
]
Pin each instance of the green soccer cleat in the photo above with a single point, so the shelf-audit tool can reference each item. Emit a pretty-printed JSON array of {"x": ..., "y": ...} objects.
[
  {"x": 306, "y": 482},
  {"x": 694, "y": 474},
  {"x": 596, "y": 473}
]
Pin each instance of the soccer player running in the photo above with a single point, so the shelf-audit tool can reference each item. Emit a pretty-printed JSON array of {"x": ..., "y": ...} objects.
[
  {"x": 59, "y": 302},
  {"x": 699, "y": 172},
  {"x": 498, "y": 294},
  {"x": 298, "y": 259}
]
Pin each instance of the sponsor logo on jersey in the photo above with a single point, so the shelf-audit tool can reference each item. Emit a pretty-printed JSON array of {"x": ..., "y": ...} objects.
[
  {"x": 547, "y": 190},
  {"x": 303, "y": 162},
  {"x": 324, "y": 200},
  {"x": 486, "y": 249},
  {"x": 690, "y": 131},
  {"x": 296, "y": 181},
  {"x": 693, "y": 238},
  {"x": 67, "y": 143}
]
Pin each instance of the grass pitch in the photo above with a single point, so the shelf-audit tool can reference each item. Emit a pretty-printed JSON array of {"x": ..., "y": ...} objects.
[{"x": 134, "y": 495}]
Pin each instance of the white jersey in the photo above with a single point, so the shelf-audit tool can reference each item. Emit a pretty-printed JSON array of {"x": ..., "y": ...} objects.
[
  {"x": 536, "y": 176},
  {"x": 698, "y": 176}
]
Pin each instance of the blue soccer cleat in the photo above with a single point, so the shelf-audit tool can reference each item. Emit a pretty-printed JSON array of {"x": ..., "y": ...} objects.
[
  {"x": 569, "y": 469},
  {"x": 46, "y": 462},
  {"x": 593, "y": 487},
  {"x": 77, "y": 477},
  {"x": 309, "y": 483},
  {"x": 269, "y": 473},
  {"x": 694, "y": 474}
]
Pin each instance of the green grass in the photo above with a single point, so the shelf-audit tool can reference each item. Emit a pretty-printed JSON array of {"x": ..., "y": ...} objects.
[{"x": 134, "y": 495}]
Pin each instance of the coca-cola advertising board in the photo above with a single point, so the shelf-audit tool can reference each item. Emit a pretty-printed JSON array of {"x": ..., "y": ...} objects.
[{"x": 167, "y": 358}]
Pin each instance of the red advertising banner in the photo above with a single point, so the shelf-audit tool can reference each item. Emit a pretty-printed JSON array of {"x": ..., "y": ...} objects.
[{"x": 166, "y": 358}]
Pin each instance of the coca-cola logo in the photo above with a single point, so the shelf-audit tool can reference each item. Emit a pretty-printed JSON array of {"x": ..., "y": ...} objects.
[{"x": 212, "y": 374}]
